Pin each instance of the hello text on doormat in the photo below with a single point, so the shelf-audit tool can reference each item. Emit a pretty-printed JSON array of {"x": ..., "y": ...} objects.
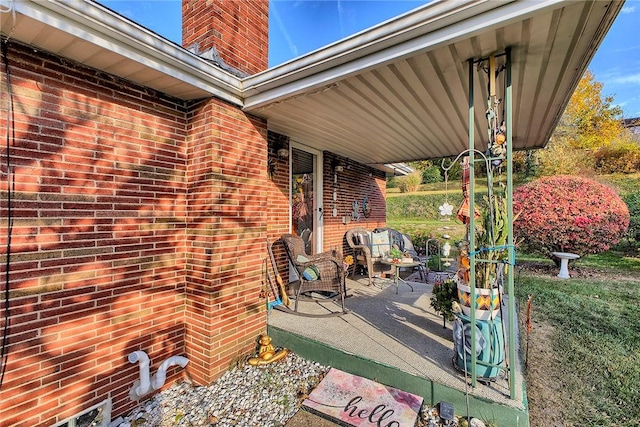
[{"x": 355, "y": 401}]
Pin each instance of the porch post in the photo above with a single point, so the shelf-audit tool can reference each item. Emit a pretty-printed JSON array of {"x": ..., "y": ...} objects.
[
  {"x": 471, "y": 228},
  {"x": 511, "y": 303}
]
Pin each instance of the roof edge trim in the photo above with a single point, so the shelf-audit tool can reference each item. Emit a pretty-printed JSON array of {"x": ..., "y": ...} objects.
[{"x": 105, "y": 28}]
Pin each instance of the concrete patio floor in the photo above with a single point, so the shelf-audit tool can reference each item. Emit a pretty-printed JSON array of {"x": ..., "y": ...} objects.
[{"x": 397, "y": 340}]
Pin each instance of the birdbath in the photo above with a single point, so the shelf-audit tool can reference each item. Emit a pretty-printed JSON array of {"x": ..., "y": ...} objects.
[{"x": 564, "y": 263}]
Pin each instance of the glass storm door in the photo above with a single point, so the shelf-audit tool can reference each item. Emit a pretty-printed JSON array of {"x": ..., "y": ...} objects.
[{"x": 306, "y": 199}]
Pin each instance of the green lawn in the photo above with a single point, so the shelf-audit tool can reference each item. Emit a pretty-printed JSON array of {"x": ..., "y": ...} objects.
[
  {"x": 593, "y": 350},
  {"x": 584, "y": 359}
]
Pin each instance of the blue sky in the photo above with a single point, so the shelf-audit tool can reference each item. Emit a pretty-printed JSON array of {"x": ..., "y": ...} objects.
[{"x": 299, "y": 27}]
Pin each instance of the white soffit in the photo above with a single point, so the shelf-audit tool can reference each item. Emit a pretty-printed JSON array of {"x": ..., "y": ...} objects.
[
  {"x": 394, "y": 93},
  {"x": 399, "y": 92}
]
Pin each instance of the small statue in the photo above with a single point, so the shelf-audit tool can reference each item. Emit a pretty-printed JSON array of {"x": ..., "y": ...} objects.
[
  {"x": 267, "y": 353},
  {"x": 446, "y": 249}
]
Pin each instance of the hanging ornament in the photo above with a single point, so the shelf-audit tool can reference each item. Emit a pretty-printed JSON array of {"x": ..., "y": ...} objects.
[
  {"x": 366, "y": 207},
  {"x": 446, "y": 209}
]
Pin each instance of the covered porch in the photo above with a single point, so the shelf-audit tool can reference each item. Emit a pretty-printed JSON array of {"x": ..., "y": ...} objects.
[{"x": 400, "y": 341}]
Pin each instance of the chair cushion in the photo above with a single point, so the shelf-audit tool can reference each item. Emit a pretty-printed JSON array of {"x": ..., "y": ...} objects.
[
  {"x": 364, "y": 239},
  {"x": 311, "y": 273},
  {"x": 380, "y": 244}
]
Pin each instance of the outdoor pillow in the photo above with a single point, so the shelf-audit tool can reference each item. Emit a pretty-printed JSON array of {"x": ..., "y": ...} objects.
[
  {"x": 364, "y": 239},
  {"x": 311, "y": 272},
  {"x": 380, "y": 244}
]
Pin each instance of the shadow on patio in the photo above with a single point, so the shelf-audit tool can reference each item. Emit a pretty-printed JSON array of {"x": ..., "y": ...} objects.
[{"x": 397, "y": 340}]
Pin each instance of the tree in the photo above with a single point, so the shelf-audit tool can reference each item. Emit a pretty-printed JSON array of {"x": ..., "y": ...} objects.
[
  {"x": 590, "y": 121},
  {"x": 590, "y": 136}
]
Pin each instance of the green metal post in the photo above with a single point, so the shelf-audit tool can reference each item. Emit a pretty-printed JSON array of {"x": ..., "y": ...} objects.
[
  {"x": 472, "y": 237},
  {"x": 510, "y": 240}
]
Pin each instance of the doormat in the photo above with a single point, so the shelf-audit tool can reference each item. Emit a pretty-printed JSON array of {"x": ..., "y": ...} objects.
[{"x": 350, "y": 400}]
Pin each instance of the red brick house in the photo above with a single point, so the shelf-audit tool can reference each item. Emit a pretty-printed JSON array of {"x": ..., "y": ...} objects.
[{"x": 141, "y": 181}]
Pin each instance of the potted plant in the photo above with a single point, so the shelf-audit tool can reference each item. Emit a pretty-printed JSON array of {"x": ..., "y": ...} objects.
[
  {"x": 395, "y": 254},
  {"x": 443, "y": 295},
  {"x": 491, "y": 255}
]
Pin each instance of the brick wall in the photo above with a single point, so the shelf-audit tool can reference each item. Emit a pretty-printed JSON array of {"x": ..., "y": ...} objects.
[
  {"x": 278, "y": 209},
  {"x": 239, "y": 31},
  {"x": 354, "y": 183},
  {"x": 140, "y": 223},
  {"x": 114, "y": 209},
  {"x": 227, "y": 214}
]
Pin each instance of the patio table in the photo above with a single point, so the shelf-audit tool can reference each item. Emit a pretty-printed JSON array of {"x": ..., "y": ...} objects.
[{"x": 396, "y": 271}]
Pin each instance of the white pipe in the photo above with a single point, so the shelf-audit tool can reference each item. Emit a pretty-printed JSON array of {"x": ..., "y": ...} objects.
[
  {"x": 161, "y": 375},
  {"x": 141, "y": 387},
  {"x": 144, "y": 385}
]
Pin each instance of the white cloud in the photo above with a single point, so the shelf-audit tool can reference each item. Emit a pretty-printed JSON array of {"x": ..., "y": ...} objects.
[
  {"x": 628, "y": 9},
  {"x": 292, "y": 47},
  {"x": 629, "y": 79}
]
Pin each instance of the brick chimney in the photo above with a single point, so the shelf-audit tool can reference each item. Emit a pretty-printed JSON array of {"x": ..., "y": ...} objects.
[{"x": 237, "y": 29}]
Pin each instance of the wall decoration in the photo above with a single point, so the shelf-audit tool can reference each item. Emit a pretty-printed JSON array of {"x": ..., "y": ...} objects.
[
  {"x": 366, "y": 207},
  {"x": 355, "y": 212}
]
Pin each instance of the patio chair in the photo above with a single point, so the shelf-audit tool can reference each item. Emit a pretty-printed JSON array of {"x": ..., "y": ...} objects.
[
  {"x": 369, "y": 252},
  {"x": 359, "y": 240},
  {"x": 322, "y": 273},
  {"x": 403, "y": 242},
  {"x": 369, "y": 249}
]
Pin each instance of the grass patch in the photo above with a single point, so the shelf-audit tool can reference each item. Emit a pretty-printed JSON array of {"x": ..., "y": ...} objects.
[
  {"x": 427, "y": 229},
  {"x": 590, "y": 347},
  {"x": 611, "y": 259},
  {"x": 595, "y": 343}
]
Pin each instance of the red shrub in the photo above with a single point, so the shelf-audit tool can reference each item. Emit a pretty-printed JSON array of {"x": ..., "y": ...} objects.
[{"x": 568, "y": 214}]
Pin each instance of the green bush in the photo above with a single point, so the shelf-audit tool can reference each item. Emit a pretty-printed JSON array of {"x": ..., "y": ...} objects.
[
  {"x": 616, "y": 158},
  {"x": 559, "y": 157},
  {"x": 432, "y": 174},
  {"x": 630, "y": 243},
  {"x": 392, "y": 182}
]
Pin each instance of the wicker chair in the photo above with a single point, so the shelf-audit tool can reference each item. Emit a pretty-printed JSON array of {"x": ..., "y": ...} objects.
[
  {"x": 320, "y": 273},
  {"x": 361, "y": 250},
  {"x": 359, "y": 240}
]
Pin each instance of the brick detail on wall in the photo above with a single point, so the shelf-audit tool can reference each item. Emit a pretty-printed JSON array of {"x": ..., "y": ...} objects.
[
  {"x": 227, "y": 215},
  {"x": 238, "y": 30},
  {"x": 279, "y": 209},
  {"x": 354, "y": 183},
  {"x": 114, "y": 207}
]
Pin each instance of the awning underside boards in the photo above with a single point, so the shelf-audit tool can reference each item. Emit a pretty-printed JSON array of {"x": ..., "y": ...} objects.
[
  {"x": 393, "y": 93},
  {"x": 413, "y": 104}
]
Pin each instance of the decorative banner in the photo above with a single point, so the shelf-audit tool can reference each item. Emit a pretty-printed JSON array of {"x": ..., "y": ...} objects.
[{"x": 355, "y": 401}]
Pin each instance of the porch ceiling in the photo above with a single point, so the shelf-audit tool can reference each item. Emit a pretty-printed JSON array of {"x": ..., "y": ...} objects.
[
  {"x": 390, "y": 94},
  {"x": 399, "y": 91}
]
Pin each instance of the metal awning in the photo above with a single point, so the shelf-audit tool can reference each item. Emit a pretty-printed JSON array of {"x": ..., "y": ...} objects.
[
  {"x": 399, "y": 92},
  {"x": 390, "y": 94}
]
